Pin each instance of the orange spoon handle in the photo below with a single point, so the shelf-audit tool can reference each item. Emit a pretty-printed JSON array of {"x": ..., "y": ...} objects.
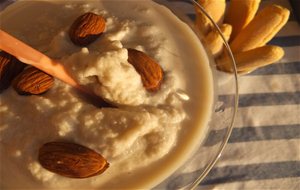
[{"x": 30, "y": 56}]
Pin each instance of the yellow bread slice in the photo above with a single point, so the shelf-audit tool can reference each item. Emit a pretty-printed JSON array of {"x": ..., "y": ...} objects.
[
  {"x": 252, "y": 59},
  {"x": 214, "y": 41},
  {"x": 240, "y": 13},
  {"x": 261, "y": 29},
  {"x": 215, "y": 8}
]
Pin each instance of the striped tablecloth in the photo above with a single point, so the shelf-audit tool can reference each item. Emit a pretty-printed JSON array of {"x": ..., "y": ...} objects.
[{"x": 263, "y": 152}]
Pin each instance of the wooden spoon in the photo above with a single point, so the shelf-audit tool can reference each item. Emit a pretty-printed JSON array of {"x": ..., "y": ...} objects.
[{"x": 30, "y": 56}]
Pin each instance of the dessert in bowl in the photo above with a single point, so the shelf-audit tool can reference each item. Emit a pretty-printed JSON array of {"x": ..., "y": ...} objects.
[{"x": 149, "y": 133}]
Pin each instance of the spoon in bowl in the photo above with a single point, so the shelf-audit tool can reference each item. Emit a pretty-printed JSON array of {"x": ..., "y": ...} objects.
[{"x": 30, "y": 56}]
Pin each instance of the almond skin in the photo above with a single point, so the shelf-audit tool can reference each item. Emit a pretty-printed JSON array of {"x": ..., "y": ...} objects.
[
  {"x": 10, "y": 67},
  {"x": 86, "y": 29},
  {"x": 150, "y": 71},
  {"x": 32, "y": 81},
  {"x": 71, "y": 160}
]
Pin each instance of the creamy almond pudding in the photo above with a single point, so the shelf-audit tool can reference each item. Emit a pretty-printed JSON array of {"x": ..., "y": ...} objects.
[{"x": 147, "y": 136}]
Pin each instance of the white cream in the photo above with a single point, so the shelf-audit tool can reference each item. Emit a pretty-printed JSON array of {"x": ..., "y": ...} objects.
[
  {"x": 109, "y": 75},
  {"x": 148, "y": 138}
]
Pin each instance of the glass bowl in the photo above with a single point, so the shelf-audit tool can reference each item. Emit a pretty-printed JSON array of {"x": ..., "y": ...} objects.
[
  {"x": 194, "y": 170},
  {"x": 191, "y": 174}
]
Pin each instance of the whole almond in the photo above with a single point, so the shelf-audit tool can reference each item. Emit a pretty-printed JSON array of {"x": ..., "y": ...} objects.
[
  {"x": 86, "y": 29},
  {"x": 71, "y": 160},
  {"x": 32, "y": 81},
  {"x": 10, "y": 67},
  {"x": 150, "y": 71}
]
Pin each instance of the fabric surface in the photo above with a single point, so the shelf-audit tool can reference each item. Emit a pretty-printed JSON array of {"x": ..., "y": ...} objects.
[{"x": 263, "y": 152}]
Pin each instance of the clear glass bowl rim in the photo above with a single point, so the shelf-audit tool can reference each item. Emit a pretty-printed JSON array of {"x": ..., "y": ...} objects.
[{"x": 215, "y": 159}]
